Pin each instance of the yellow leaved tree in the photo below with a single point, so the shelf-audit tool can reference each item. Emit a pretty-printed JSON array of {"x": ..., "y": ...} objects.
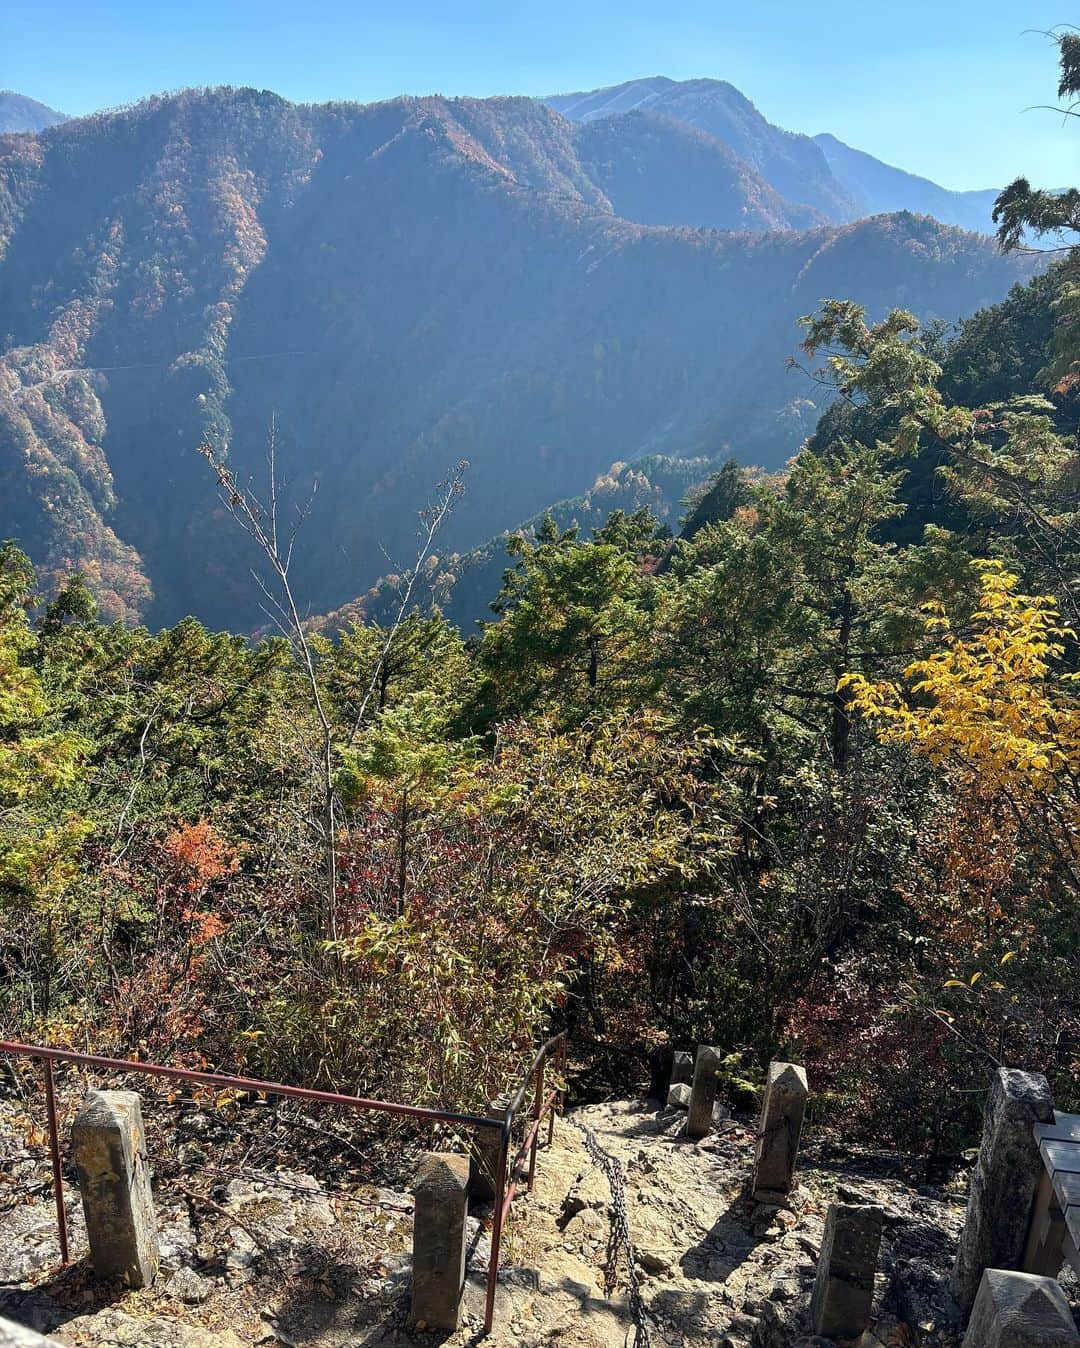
[
  {"x": 994, "y": 702},
  {"x": 994, "y": 876},
  {"x": 996, "y": 711},
  {"x": 37, "y": 765}
]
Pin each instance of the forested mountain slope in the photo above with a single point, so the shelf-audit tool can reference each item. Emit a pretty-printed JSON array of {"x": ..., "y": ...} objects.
[{"x": 402, "y": 285}]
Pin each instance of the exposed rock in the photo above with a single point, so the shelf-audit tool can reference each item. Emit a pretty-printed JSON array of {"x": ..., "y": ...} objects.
[
  {"x": 679, "y": 1096},
  {"x": 287, "y": 1261},
  {"x": 18, "y": 1336},
  {"x": 187, "y": 1286},
  {"x": 111, "y": 1328}
]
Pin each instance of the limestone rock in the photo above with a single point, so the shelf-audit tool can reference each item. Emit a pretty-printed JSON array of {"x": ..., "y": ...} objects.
[
  {"x": 18, "y": 1336},
  {"x": 188, "y": 1286},
  {"x": 114, "y": 1329}
]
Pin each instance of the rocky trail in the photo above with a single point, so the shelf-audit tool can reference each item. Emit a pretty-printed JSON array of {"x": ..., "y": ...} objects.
[{"x": 279, "y": 1256}]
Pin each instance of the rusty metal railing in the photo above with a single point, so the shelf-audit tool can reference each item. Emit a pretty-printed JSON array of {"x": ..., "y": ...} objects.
[
  {"x": 545, "y": 1105},
  {"x": 509, "y": 1173}
]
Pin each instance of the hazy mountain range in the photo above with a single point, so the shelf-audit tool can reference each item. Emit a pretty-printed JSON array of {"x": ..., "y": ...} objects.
[
  {"x": 18, "y": 113},
  {"x": 403, "y": 285}
]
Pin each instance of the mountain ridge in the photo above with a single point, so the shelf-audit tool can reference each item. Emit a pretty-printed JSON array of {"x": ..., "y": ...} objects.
[
  {"x": 401, "y": 285},
  {"x": 879, "y": 187},
  {"x": 790, "y": 162},
  {"x": 840, "y": 182}
]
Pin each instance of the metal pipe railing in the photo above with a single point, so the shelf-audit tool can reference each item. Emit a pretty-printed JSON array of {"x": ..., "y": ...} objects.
[{"x": 504, "y": 1193}]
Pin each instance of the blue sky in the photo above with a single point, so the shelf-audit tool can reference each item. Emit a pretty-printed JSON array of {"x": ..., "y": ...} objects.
[{"x": 937, "y": 88}]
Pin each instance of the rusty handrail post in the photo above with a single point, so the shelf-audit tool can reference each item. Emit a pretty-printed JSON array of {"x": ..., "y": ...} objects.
[
  {"x": 538, "y": 1114},
  {"x": 497, "y": 1225},
  {"x": 506, "y": 1183},
  {"x": 57, "y": 1165},
  {"x": 558, "y": 1101}
]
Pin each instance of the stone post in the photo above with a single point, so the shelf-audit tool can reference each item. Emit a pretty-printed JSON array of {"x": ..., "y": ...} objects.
[
  {"x": 109, "y": 1147},
  {"x": 703, "y": 1092},
  {"x": 18, "y": 1336},
  {"x": 844, "y": 1287},
  {"x": 1004, "y": 1180},
  {"x": 484, "y": 1154},
  {"x": 682, "y": 1069},
  {"x": 441, "y": 1190},
  {"x": 780, "y": 1127},
  {"x": 1020, "y": 1310}
]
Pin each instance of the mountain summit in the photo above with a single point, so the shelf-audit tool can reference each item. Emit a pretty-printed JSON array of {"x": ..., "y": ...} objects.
[
  {"x": 819, "y": 172},
  {"x": 791, "y": 164}
]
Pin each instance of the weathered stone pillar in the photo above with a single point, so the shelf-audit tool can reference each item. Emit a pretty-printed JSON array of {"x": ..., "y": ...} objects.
[
  {"x": 109, "y": 1147},
  {"x": 703, "y": 1092},
  {"x": 682, "y": 1069},
  {"x": 441, "y": 1190},
  {"x": 780, "y": 1127},
  {"x": 1020, "y": 1310},
  {"x": 484, "y": 1154},
  {"x": 1003, "y": 1182},
  {"x": 18, "y": 1336},
  {"x": 844, "y": 1287}
]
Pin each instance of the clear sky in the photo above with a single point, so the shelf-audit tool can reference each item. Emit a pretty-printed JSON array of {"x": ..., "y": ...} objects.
[{"x": 938, "y": 87}]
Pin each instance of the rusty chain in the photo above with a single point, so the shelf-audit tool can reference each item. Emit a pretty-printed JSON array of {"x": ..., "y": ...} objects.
[{"x": 612, "y": 1169}]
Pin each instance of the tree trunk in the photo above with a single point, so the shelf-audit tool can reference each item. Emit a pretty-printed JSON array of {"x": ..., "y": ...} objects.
[{"x": 403, "y": 854}]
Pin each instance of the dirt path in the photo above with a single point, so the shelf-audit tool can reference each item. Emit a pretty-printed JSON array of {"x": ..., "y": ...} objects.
[{"x": 279, "y": 1259}]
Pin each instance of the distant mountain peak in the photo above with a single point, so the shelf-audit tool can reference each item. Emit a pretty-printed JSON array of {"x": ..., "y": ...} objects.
[
  {"x": 791, "y": 164},
  {"x": 819, "y": 172},
  {"x": 19, "y": 113}
]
